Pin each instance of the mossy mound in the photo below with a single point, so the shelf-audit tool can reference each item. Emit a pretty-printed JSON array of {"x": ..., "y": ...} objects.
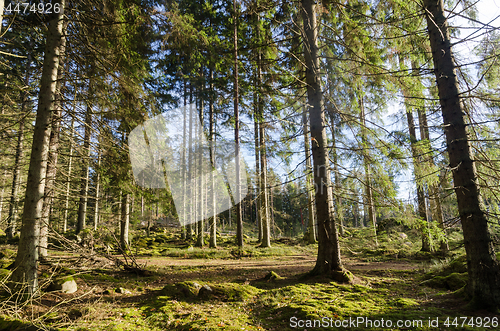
[
  {"x": 453, "y": 281},
  {"x": 235, "y": 292},
  {"x": 183, "y": 290},
  {"x": 7, "y": 324},
  {"x": 271, "y": 275},
  {"x": 226, "y": 292}
]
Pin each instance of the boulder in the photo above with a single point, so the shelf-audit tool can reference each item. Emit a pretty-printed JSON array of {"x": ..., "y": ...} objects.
[
  {"x": 64, "y": 285},
  {"x": 205, "y": 292},
  {"x": 122, "y": 290}
]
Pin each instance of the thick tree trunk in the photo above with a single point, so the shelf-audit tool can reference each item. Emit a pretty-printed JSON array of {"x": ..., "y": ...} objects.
[
  {"x": 482, "y": 265},
  {"x": 370, "y": 204},
  {"x": 328, "y": 260},
  {"x": 239, "y": 217},
  {"x": 26, "y": 263},
  {"x": 311, "y": 228},
  {"x": 52, "y": 161},
  {"x": 50, "y": 182}
]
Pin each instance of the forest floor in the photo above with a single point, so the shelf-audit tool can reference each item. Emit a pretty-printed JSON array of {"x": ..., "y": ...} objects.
[{"x": 265, "y": 289}]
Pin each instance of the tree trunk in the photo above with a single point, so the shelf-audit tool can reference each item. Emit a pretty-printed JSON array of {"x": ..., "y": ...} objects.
[
  {"x": 264, "y": 196},
  {"x": 328, "y": 260},
  {"x": 372, "y": 216},
  {"x": 213, "y": 219},
  {"x": 68, "y": 179},
  {"x": 16, "y": 175},
  {"x": 50, "y": 181},
  {"x": 200, "y": 241},
  {"x": 417, "y": 162},
  {"x": 98, "y": 192},
  {"x": 1, "y": 14},
  {"x": 434, "y": 198},
  {"x": 189, "y": 228},
  {"x": 239, "y": 217},
  {"x": 25, "y": 270},
  {"x": 336, "y": 176},
  {"x": 257, "y": 161},
  {"x": 311, "y": 228},
  {"x": 4, "y": 179},
  {"x": 482, "y": 265},
  {"x": 84, "y": 186},
  {"x": 183, "y": 169},
  {"x": 52, "y": 161},
  {"x": 124, "y": 222}
]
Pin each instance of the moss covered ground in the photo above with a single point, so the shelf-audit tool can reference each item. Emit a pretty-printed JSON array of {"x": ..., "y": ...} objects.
[{"x": 189, "y": 288}]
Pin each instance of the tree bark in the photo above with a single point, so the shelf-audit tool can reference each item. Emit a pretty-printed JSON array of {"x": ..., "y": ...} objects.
[
  {"x": 68, "y": 179},
  {"x": 1, "y": 14},
  {"x": 434, "y": 198},
  {"x": 336, "y": 176},
  {"x": 328, "y": 259},
  {"x": 84, "y": 186},
  {"x": 257, "y": 161},
  {"x": 52, "y": 161},
  {"x": 124, "y": 221},
  {"x": 200, "y": 241},
  {"x": 16, "y": 175},
  {"x": 311, "y": 228},
  {"x": 264, "y": 195},
  {"x": 189, "y": 229},
  {"x": 211, "y": 115},
  {"x": 183, "y": 169},
  {"x": 482, "y": 265},
  {"x": 98, "y": 192},
  {"x": 26, "y": 263},
  {"x": 372, "y": 216},
  {"x": 239, "y": 217},
  {"x": 417, "y": 162},
  {"x": 50, "y": 181}
]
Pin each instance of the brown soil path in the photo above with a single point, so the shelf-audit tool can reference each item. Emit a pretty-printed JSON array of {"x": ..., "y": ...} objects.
[{"x": 280, "y": 262}]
